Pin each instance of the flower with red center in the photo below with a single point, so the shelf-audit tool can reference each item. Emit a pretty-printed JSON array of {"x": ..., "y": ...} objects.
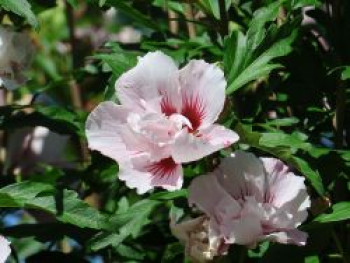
[
  {"x": 166, "y": 118},
  {"x": 250, "y": 199}
]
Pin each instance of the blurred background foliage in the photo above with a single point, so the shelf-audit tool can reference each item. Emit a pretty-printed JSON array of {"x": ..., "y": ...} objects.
[{"x": 287, "y": 64}]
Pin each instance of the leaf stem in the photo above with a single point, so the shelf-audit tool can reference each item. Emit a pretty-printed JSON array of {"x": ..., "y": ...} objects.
[
  {"x": 223, "y": 18},
  {"x": 339, "y": 247}
]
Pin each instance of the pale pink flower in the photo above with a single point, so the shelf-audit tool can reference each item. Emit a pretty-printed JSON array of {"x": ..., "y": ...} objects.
[
  {"x": 16, "y": 53},
  {"x": 250, "y": 199},
  {"x": 201, "y": 243},
  {"x": 5, "y": 249},
  {"x": 166, "y": 118}
]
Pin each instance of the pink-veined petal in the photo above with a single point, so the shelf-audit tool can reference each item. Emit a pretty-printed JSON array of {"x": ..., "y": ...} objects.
[
  {"x": 203, "y": 93},
  {"x": 145, "y": 175},
  {"x": 286, "y": 190},
  {"x": 189, "y": 147},
  {"x": 242, "y": 175},
  {"x": 102, "y": 128},
  {"x": 5, "y": 249},
  {"x": 154, "y": 76}
]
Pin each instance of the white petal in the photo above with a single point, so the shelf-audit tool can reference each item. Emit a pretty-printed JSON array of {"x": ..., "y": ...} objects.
[
  {"x": 155, "y": 75},
  {"x": 5, "y": 249},
  {"x": 206, "y": 193},
  {"x": 242, "y": 231},
  {"x": 145, "y": 175},
  {"x": 286, "y": 190},
  {"x": 203, "y": 93},
  {"x": 189, "y": 147},
  {"x": 294, "y": 236},
  {"x": 243, "y": 174},
  {"x": 102, "y": 130}
]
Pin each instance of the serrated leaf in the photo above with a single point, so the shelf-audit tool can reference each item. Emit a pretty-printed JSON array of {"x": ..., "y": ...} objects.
[
  {"x": 125, "y": 224},
  {"x": 21, "y": 8},
  {"x": 68, "y": 209}
]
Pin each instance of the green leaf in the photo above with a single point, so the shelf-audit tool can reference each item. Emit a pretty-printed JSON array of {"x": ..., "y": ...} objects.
[
  {"x": 340, "y": 212},
  {"x": 301, "y": 3},
  {"x": 345, "y": 75},
  {"x": 244, "y": 70},
  {"x": 169, "y": 195},
  {"x": 247, "y": 136},
  {"x": 213, "y": 7},
  {"x": 250, "y": 57},
  {"x": 275, "y": 139},
  {"x": 171, "y": 252},
  {"x": 21, "y": 8},
  {"x": 125, "y": 224},
  {"x": 73, "y": 3},
  {"x": 57, "y": 119},
  {"x": 283, "y": 122},
  {"x": 312, "y": 259},
  {"x": 131, "y": 12},
  {"x": 313, "y": 176},
  {"x": 65, "y": 205},
  {"x": 101, "y": 3}
]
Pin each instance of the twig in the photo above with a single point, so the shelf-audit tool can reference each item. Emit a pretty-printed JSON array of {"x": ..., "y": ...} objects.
[
  {"x": 173, "y": 23},
  {"x": 73, "y": 86},
  {"x": 339, "y": 247},
  {"x": 189, "y": 16},
  {"x": 223, "y": 18}
]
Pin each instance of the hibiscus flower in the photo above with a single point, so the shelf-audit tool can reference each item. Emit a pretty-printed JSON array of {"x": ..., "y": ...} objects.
[
  {"x": 250, "y": 199},
  {"x": 165, "y": 118}
]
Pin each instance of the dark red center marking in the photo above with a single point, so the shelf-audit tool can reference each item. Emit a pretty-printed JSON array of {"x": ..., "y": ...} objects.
[
  {"x": 165, "y": 167},
  {"x": 193, "y": 110}
]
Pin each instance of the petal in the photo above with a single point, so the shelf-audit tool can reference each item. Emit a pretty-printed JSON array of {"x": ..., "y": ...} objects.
[
  {"x": 5, "y": 249},
  {"x": 145, "y": 175},
  {"x": 286, "y": 190},
  {"x": 166, "y": 174},
  {"x": 102, "y": 128},
  {"x": 242, "y": 175},
  {"x": 294, "y": 236},
  {"x": 189, "y": 147},
  {"x": 242, "y": 231},
  {"x": 203, "y": 93},
  {"x": 206, "y": 193},
  {"x": 155, "y": 75}
]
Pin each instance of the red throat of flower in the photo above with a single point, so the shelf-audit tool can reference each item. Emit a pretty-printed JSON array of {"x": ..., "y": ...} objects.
[
  {"x": 165, "y": 167},
  {"x": 193, "y": 110}
]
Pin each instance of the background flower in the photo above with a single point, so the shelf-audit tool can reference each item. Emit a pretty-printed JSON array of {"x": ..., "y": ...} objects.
[{"x": 250, "y": 199}]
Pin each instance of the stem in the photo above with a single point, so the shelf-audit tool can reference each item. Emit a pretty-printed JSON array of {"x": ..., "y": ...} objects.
[
  {"x": 223, "y": 18},
  {"x": 243, "y": 254},
  {"x": 173, "y": 23},
  {"x": 339, "y": 247},
  {"x": 73, "y": 86},
  {"x": 340, "y": 115},
  {"x": 189, "y": 16}
]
